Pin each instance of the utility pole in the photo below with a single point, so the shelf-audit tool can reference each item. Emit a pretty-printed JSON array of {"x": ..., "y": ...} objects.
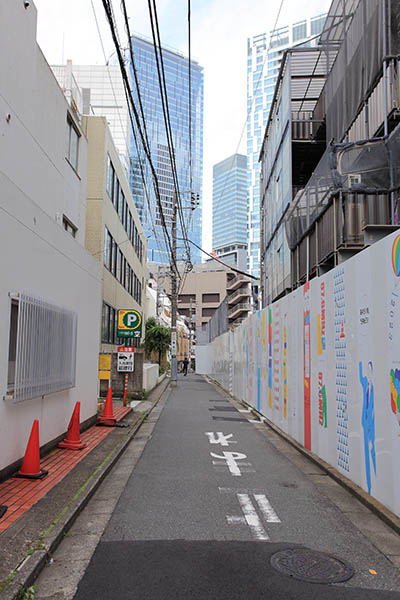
[
  {"x": 158, "y": 293},
  {"x": 190, "y": 332},
  {"x": 174, "y": 298}
]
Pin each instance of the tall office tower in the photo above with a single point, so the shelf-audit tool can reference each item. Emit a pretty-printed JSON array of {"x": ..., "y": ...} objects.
[
  {"x": 264, "y": 54},
  {"x": 176, "y": 68},
  {"x": 230, "y": 207}
]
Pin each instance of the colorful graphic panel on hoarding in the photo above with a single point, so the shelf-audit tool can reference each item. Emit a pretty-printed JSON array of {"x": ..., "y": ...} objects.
[{"x": 307, "y": 365}]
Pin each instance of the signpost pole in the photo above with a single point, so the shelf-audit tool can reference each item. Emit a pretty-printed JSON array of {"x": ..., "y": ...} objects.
[
  {"x": 125, "y": 388},
  {"x": 174, "y": 274}
]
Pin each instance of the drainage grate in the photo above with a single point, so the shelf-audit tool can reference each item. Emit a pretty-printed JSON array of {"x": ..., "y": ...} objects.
[
  {"x": 230, "y": 419},
  {"x": 288, "y": 485},
  {"x": 310, "y": 565},
  {"x": 223, "y": 409}
]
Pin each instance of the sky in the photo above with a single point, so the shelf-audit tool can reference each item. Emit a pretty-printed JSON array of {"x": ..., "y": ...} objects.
[{"x": 220, "y": 29}]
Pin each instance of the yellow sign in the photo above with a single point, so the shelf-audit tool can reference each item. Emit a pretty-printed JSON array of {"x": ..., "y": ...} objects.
[
  {"x": 105, "y": 375},
  {"x": 104, "y": 362}
]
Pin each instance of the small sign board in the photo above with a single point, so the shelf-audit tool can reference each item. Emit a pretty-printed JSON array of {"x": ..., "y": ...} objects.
[
  {"x": 126, "y": 361},
  {"x": 105, "y": 362},
  {"x": 173, "y": 343},
  {"x": 129, "y": 324},
  {"x": 105, "y": 367}
]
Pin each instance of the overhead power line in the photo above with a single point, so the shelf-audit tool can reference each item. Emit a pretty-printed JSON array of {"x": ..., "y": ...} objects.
[
  {"x": 223, "y": 263},
  {"x": 107, "y": 4}
]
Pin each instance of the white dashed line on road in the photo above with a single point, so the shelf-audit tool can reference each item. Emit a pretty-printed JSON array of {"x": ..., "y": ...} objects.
[
  {"x": 268, "y": 512},
  {"x": 252, "y": 518}
]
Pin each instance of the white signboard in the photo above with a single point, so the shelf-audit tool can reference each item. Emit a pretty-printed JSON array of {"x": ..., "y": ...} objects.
[
  {"x": 173, "y": 343},
  {"x": 126, "y": 362}
]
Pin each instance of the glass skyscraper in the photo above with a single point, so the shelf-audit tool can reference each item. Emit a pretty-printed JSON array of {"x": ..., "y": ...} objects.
[
  {"x": 177, "y": 83},
  {"x": 264, "y": 53},
  {"x": 230, "y": 201}
]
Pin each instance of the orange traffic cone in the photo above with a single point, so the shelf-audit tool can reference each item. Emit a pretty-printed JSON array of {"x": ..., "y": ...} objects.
[
  {"x": 73, "y": 440},
  {"x": 107, "y": 418},
  {"x": 31, "y": 464}
]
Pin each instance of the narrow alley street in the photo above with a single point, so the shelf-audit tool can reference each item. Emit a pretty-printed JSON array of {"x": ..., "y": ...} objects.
[{"x": 209, "y": 502}]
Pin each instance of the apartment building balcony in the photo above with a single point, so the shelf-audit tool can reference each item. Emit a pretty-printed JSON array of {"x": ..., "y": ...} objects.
[
  {"x": 236, "y": 282},
  {"x": 238, "y": 310},
  {"x": 238, "y": 295}
]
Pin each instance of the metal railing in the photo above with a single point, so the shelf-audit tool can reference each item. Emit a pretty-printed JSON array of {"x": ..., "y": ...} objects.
[
  {"x": 238, "y": 308},
  {"x": 45, "y": 356},
  {"x": 236, "y": 281},
  {"x": 240, "y": 293}
]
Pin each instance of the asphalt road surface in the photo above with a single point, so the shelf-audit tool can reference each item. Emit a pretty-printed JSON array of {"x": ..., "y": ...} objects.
[{"x": 208, "y": 504}]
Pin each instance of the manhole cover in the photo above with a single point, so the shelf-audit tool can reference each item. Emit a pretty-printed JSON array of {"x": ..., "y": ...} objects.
[{"x": 310, "y": 565}]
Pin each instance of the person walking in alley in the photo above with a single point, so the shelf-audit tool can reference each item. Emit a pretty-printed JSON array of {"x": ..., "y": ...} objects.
[{"x": 185, "y": 365}]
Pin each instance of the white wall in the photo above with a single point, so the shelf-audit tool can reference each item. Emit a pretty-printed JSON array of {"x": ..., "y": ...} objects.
[
  {"x": 150, "y": 376},
  {"x": 36, "y": 255},
  {"x": 315, "y": 339}
]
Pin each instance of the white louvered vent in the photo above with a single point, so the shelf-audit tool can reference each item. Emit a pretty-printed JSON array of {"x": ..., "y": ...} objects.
[{"x": 45, "y": 349}]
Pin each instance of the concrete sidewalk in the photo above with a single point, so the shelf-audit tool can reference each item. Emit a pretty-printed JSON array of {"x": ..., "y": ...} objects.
[{"x": 26, "y": 544}]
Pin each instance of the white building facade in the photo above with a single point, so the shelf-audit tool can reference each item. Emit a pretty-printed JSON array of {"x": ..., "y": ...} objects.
[
  {"x": 101, "y": 94},
  {"x": 50, "y": 288}
]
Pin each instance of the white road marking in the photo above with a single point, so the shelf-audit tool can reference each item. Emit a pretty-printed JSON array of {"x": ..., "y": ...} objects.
[
  {"x": 261, "y": 420},
  {"x": 230, "y": 459},
  {"x": 225, "y": 490},
  {"x": 244, "y": 410},
  {"x": 236, "y": 520},
  {"x": 268, "y": 512},
  {"x": 252, "y": 518},
  {"x": 219, "y": 438}
]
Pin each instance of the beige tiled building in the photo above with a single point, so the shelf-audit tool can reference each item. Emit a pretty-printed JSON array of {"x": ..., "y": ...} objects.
[
  {"x": 114, "y": 234},
  {"x": 206, "y": 286}
]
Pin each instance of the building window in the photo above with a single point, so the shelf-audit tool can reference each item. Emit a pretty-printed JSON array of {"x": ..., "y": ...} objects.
[
  {"x": 207, "y": 312},
  {"x": 187, "y": 297},
  {"x": 42, "y": 348},
  {"x": 299, "y": 31},
  {"x": 210, "y": 298},
  {"x": 119, "y": 264},
  {"x": 114, "y": 249},
  {"x": 121, "y": 205},
  {"x": 317, "y": 25},
  {"x": 12, "y": 345},
  {"x": 72, "y": 143},
  {"x": 110, "y": 178},
  {"x": 69, "y": 227},
  {"x": 107, "y": 249}
]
